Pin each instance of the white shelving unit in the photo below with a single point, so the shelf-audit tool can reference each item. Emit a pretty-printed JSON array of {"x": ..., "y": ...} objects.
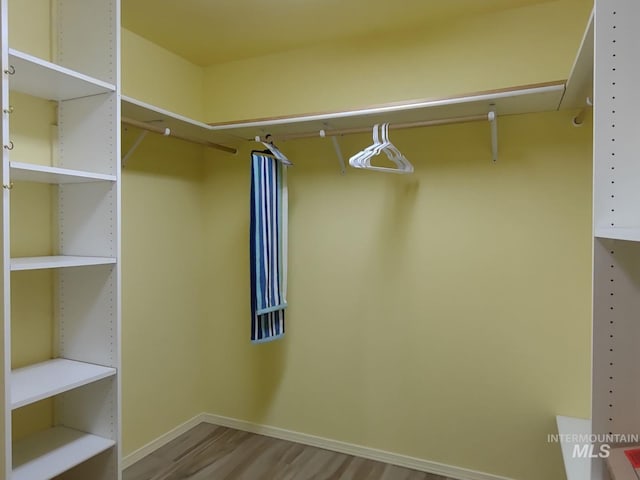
[
  {"x": 83, "y": 381},
  {"x": 42, "y": 79},
  {"x": 26, "y": 172},
  {"x": 629, "y": 234},
  {"x": 58, "y": 261},
  {"x": 55, "y": 451},
  {"x": 43, "y": 380},
  {"x": 616, "y": 220}
]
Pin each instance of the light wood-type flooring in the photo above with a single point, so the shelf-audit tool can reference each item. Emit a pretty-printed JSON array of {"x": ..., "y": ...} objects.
[{"x": 209, "y": 452}]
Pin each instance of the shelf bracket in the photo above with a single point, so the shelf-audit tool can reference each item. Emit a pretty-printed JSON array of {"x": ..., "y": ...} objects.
[
  {"x": 338, "y": 150},
  {"x": 336, "y": 147},
  {"x": 133, "y": 148},
  {"x": 493, "y": 121}
]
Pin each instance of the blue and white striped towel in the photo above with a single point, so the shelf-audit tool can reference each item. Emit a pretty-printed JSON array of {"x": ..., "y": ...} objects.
[{"x": 268, "y": 247}]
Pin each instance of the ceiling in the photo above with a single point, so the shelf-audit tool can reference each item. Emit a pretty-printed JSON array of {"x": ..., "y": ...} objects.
[{"x": 213, "y": 31}]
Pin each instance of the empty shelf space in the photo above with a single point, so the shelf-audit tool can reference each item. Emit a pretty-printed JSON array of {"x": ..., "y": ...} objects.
[
  {"x": 28, "y": 172},
  {"x": 54, "y": 451},
  {"x": 613, "y": 233},
  {"x": 39, "y": 78},
  {"x": 36, "y": 382},
  {"x": 577, "y": 468},
  {"x": 59, "y": 261}
]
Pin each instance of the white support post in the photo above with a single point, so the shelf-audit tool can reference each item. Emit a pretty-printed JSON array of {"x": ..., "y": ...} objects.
[{"x": 493, "y": 120}]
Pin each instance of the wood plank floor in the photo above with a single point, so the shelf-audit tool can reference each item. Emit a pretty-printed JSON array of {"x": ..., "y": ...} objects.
[{"x": 209, "y": 452}]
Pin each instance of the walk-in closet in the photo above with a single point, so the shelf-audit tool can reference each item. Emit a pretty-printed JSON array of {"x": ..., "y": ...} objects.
[{"x": 342, "y": 240}]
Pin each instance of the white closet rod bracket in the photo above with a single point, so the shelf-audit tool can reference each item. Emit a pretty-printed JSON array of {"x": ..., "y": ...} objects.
[
  {"x": 493, "y": 122},
  {"x": 338, "y": 150},
  {"x": 578, "y": 120},
  {"x": 133, "y": 148}
]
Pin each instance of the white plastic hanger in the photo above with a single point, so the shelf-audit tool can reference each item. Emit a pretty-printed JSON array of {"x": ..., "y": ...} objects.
[
  {"x": 354, "y": 161},
  {"x": 381, "y": 143},
  {"x": 393, "y": 153}
]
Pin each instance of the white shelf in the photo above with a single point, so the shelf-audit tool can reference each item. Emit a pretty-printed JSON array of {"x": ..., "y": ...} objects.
[
  {"x": 517, "y": 100},
  {"x": 580, "y": 83},
  {"x": 59, "y": 261},
  {"x": 52, "y": 452},
  {"x": 28, "y": 172},
  {"x": 178, "y": 124},
  {"x": 576, "y": 468},
  {"x": 47, "y": 80},
  {"x": 43, "y": 380},
  {"x": 620, "y": 233}
]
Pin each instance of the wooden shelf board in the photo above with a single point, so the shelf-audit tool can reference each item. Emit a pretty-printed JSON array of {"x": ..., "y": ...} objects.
[
  {"x": 54, "y": 175},
  {"x": 43, "y": 380},
  {"x": 58, "y": 261},
  {"x": 47, "y": 80},
  {"x": 54, "y": 451}
]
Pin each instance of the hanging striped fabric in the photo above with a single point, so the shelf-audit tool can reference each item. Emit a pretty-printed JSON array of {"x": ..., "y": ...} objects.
[{"x": 268, "y": 247}]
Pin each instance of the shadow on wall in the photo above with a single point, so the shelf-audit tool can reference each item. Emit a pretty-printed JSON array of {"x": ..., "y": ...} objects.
[
  {"x": 252, "y": 373},
  {"x": 266, "y": 372},
  {"x": 156, "y": 155},
  {"x": 398, "y": 216}
]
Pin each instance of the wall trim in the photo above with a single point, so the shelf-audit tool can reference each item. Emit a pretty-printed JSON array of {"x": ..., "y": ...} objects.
[
  {"x": 314, "y": 441},
  {"x": 351, "y": 449},
  {"x": 162, "y": 440}
]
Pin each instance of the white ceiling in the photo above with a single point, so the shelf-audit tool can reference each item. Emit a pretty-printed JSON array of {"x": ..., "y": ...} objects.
[{"x": 207, "y": 32}]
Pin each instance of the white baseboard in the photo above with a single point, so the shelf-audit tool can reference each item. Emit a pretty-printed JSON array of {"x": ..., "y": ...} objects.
[
  {"x": 161, "y": 441},
  {"x": 314, "y": 441},
  {"x": 351, "y": 449}
]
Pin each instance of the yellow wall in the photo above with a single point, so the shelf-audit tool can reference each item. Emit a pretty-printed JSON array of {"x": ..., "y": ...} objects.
[
  {"x": 30, "y": 27},
  {"x": 156, "y": 76},
  {"x": 513, "y": 47},
  {"x": 31, "y": 226},
  {"x": 162, "y": 288},
  {"x": 31, "y": 234},
  {"x": 162, "y": 250},
  {"x": 476, "y": 273},
  {"x": 442, "y": 315}
]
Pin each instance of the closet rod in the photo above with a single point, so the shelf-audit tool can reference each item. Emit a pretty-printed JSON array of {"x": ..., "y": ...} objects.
[
  {"x": 168, "y": 132},
  {"x": 393, "y": 126}
]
